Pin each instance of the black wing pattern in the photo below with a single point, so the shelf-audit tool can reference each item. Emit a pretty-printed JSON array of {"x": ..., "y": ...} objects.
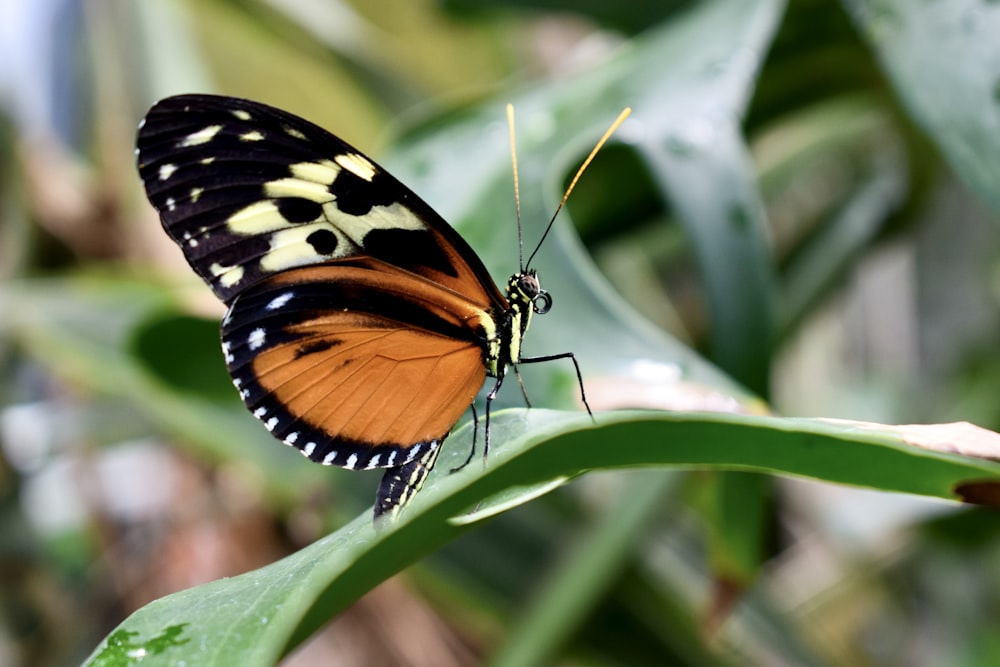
[{"x": 248, "y": 190}]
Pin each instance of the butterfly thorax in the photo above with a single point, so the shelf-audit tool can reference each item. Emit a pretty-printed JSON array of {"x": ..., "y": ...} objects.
[{"x": 525, "y": 297}]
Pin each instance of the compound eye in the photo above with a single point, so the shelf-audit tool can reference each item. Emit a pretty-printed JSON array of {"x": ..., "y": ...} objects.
[
  {"x": 528, "y": 286},
  {"x": 542, "y": 303}
]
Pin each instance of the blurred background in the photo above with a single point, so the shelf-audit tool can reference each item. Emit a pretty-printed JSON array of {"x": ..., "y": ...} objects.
[{"x": 864, "y": 136}]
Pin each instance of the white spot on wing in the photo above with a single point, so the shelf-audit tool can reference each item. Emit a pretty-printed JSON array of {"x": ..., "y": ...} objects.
[
  {"x": 290, "y": 247},
  {"x": 260, "y": 412},
  {"x": 257, "y": 218},
  {"x": 279, "y": 301},
  {"x": 309, "y": 448},
  {"x": 271, "y": 423},
  {"x": 389, "y": 462},
  {"x": 256, "y": 338},
  {"x": 358, "y": 165},
  {"x": 330, "y": 458},
  {"x": 293, "y": 132},
  {"x": 292, "y": 437},
  {"x": 227, "y": 275},
  {"x": 171, "y": 204},
  {"x": 373, "y": 463},
  {"x": 196, "y": 194},
  {"x": 351, "y": 461},
  {"x": 310, "y": 180},
  {"x": 200, "y": 137},
  {"x": 166, "y": 171},
  {"x": 242, "y": 114},
  {"x": 252, "y": 135},
  {"x": 228, "y": 354},
  {"x": 323, "y": 171}
]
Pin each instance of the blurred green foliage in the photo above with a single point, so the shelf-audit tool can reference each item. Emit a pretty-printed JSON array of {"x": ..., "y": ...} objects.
[{"x": 801, "y": 212}]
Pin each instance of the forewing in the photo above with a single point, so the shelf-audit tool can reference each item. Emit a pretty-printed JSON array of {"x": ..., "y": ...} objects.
[
  {"x": 248, "y": 191},
  {"x": 355, "y": 363}
]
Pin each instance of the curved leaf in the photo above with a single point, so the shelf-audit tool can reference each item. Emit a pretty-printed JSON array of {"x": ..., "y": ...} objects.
[
  {"x": 255, "y": 618},
  {"x": 943, "y": 59}
]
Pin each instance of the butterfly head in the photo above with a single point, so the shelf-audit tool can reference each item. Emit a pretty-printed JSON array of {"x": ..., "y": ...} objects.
[{"x": 524, "y": 288}]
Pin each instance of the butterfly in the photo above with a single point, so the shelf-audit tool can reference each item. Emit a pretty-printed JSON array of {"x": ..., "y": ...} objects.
[{"x": 359, "y": 325}]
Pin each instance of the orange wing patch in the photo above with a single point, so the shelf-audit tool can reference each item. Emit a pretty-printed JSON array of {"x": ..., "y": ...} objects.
[
  {"x": 371, "y": 384},
  {"x": 357, "y": 363}
]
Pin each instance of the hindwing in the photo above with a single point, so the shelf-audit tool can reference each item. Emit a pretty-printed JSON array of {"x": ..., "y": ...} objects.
[
  {"x": 356, "y": 362},
  {"x": 248, "y": 191}
]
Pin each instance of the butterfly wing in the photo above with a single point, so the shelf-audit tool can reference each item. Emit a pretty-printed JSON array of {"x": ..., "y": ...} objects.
[
  {"x": 248, "y": 191},
  {"x": 356, "y": 363},
  {"x": 359, "y": 321}
]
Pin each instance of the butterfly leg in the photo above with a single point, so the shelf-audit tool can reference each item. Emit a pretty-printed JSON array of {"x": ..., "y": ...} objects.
[
  {"x": 524, "y": 392},
  {"x": 553, "y": 357},
  {"x": 489, "y": 404},
  {"x": 472, "y": 451}
]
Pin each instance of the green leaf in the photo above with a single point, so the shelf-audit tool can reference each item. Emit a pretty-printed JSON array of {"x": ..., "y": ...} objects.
[
  {"x": 255, "y": 618},
  {"x": 586, "y": 572},
  {"x": 943, "y": 59}
]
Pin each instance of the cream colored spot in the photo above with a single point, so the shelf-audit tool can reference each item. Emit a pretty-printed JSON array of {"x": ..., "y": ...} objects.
[
  {"x": 258, "y": 218},
  {"x": 196, "y": 194},
  {"x": 167, "y": 170},
  {"x": 298, "y": 187},
  {"x": 324, "y": 171},
  {"x": 208, "y": 160},
  {"x": 171, "y": 204},
  {"x": 394, "y": 216},
  {"x": 242, "y": 114},
  {"x": 227, "y": 275},
  {"x": 200, "y": 137},
  {"x": 252, "y": 135},
  {"x": 290, "y": 248},
  {"x": 488, "y": 324},
  {"x": 514, "y": 347},
  {"x": 358, "y": 165},
  {"x": 292, "y": 132}
]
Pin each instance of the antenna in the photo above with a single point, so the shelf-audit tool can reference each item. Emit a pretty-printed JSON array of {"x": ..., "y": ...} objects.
[
  {"x": 607, "y": 135},
  {"x": 517, "y": 189}
]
